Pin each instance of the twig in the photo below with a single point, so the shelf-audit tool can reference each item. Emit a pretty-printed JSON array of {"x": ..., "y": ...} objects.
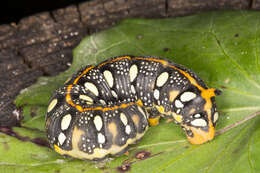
[{"x": 249, "y": 117}]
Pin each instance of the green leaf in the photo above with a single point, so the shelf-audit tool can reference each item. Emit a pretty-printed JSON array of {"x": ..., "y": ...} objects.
[{"x": 221, "y": 47}]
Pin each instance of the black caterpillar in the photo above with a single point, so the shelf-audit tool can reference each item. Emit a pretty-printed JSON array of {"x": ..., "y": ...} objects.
[{"x": 105, "y": 107}]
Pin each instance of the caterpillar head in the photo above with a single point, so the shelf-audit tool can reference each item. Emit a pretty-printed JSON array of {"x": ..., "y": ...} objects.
[{"x": 199, "y": 114}]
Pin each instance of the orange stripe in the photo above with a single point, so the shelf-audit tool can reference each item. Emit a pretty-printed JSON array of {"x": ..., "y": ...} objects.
[
  {"x": 80, "y": 108},
  {"x": 114, "y": 60},
  {"x": 82, "y": 74},
  {"x": 104, "y": 109},
  {"x": 205, "y": 93},
  {"x": 187, "y": 75},
  {"x": 68, "y": 97},
  {"x": 69, "y": 101},
  {"x": 163, "y": 62}
]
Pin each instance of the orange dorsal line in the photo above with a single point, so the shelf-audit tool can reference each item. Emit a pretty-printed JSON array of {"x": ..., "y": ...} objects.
[
  {"x": 80, "y": 108},
  {"x": 205, "y": 93}
]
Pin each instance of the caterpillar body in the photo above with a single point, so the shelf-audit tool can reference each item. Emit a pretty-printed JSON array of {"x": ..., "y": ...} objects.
[{"x": 105, "y": 107}]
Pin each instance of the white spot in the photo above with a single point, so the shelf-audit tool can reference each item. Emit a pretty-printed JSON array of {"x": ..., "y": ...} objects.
[
  {"x": 178, "y": 111},
  {"x": 16, "y": 113},
  {"x": 179, "y": 104},
  {"x": 161, "y": 80},
  {"x": 61, "y": 138},
  {"x": 52, "y": 104},
  {"x": 141, "y": 110},
  {"x": 114, "y": 94},
  {"x": 109, "y": 78},
  {"x": 187, "y": 96},
  {"x": 128, "y": 129},
  {"x": 197, "y": 116},
  {"x": 156, "y": 94},
  {"x": 65, "y": 122},
  {"x": 102, "y": 102},
  {"x": 133, "y": 89},
  {"x": 123, "y": 118},
  {"x": 88, "y": 99},
  {"x": 91, "y": 87},
  {"x": 98, "y": 122},
  {"x": 133, "y": 72},
  {"x": 215, "y": 117},
  {"x": 101, "y": 138},
  {"x": 199, "y": 122}
]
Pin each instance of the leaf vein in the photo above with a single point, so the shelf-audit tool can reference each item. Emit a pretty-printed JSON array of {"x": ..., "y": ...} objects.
[{"x": 232, "y": 60}]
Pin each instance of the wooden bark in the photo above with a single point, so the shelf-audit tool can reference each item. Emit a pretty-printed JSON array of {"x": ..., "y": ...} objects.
[{"x": 41, "y": 45}]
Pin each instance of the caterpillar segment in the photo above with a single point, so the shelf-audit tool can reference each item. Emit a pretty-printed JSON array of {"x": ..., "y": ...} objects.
[{"x": 106, "y": 107}]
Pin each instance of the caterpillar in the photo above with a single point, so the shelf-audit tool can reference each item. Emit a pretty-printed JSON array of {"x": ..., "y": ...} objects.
[{"x": 106, "y": 107}]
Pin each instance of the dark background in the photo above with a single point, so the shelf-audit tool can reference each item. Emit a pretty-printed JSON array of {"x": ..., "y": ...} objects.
[{"x": 14, "y": 10}]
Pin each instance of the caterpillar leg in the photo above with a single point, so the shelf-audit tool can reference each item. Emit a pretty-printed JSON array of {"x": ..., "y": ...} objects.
[
  {"x": 154, "y": 121},
  {"x": 154, "y": 117},
  {"x": 127, "y": 153}
]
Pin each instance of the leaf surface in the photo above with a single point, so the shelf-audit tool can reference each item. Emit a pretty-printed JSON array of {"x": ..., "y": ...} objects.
[{"x": 221, "y": 47}]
